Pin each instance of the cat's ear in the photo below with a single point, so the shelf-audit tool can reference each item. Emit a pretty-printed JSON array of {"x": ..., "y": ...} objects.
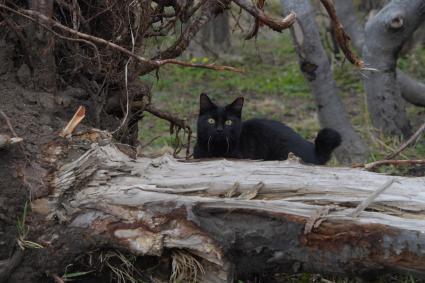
[
  {"x": 205, "y": 104},
  {"x": 236, "y": 106}
]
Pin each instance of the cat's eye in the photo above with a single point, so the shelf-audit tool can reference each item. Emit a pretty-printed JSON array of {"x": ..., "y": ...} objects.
[
  {"x": 211, "y": 121},
  {"x": 228, "y": 122}
]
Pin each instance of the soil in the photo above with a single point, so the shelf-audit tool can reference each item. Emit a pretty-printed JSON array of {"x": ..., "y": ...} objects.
[{"x": 38, "y": 117}]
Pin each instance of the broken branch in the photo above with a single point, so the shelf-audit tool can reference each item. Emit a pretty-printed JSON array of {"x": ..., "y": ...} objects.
[
  {"x": 342, "y": 37},
  {"x": 364, "y": 204},
  {"x": 275, "y": 24},
  {"x": 411, "y": 140},
  {"x": 174, "y": 121},
  {"x": 8, "y": 123},
  {"x": 371, "y": 166},
  {"x": 29, "y": 14},
  {"x": 208, "y": 66},
  {"x": 74, "y": 122}
]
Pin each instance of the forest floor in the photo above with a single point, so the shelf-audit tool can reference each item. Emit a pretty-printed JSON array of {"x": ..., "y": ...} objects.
[{"x": 274, "y": 88}]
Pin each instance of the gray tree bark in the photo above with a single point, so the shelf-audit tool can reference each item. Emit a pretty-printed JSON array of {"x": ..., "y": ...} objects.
[
  {"x": 242, "y": 217},
  {"x": 412, "y": 90},
  {"x": 316, "y": 68},
  {"x": 384, "y": 37}
]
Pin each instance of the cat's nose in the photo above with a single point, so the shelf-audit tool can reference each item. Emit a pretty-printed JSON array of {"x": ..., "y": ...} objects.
[{"x": 219, "y": 129}]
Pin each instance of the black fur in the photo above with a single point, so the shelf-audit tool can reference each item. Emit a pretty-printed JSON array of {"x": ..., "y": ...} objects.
[{"x": 255, "y": 138}]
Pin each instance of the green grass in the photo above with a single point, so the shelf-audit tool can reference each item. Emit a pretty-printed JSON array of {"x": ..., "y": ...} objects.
[
  {"x": 24, "y": 230},
  {"x": 272, "y": 84},
  {"x": 273, "y": 87}
]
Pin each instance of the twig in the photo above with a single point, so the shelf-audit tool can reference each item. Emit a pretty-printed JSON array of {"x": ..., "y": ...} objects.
[
  {"x": 181, "y": 123},
  {"x": 258, "y": 23},
  {"x": 166, "y": 116},
  {"x": 373, "y": 165},
  {"x": 74, "y": 122},
  {"x": 275, "y": 24},
  {"x": 411, "y": 140},
  {"x": 342, "y": 37},
  {"x": 6, "y": 140},
  {"x": 149, "y": 142},
  {"x": 177, "y": 48},
  {"x": 8, "y": 123},
  {"x": 29, "y": 14},
  {"x": 208, "y": 66},
  {"x": 365, "y": 203}
]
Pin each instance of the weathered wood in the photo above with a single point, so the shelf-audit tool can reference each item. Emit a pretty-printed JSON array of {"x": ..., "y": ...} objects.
[
  {"x": 6, "y": 140},
  {"x": 247, "y": 216}
]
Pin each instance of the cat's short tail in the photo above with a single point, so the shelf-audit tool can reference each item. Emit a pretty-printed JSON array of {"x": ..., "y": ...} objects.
[{"x": 326, "y": 141}]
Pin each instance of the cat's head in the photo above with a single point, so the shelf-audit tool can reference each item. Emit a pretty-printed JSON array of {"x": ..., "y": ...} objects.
[{"x": 219, "y": 125}]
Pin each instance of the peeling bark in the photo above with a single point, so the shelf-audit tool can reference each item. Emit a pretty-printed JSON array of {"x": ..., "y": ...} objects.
[
  {"x": 385, "y": 34},
  {"x": 316, "y": 68},
  {"x": 232, "y": 213}
]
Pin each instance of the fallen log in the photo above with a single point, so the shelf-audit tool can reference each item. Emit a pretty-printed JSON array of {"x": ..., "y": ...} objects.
[{"x": 241, "y": 218}]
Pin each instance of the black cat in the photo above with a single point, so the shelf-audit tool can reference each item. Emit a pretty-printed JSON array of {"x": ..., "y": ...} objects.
[{"x": 221, "y": 133}]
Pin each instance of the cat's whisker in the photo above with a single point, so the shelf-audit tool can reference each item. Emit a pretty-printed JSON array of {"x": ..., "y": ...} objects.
[
  {"x": 228, "y": 146},
  {"x": 209, "y": 139}
]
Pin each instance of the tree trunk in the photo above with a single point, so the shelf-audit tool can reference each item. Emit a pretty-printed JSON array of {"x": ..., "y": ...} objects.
[
  {"x": 385, "y": 34},
  {"x": 316, "y": 68},
  {"x": 411, "y": 90},
  {"x": 231, "y": 213}
]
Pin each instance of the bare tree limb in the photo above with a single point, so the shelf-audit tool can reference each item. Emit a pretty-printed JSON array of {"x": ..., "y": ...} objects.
[
  {"x": 411, "y": 140},
  {"x": 341, "y": 36},
  {"x": 275, "y": 24},
  {"x": 412, "y": 90},
  {"x": 9, "y": 124},
  {"x": 373, "y": 165},
  {"x": 153, "y": 63},
  {"x": 364, "y": 204},
  {"x": 174, "y": 121}
]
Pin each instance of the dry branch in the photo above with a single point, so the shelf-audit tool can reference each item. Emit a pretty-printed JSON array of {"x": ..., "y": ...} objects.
[
  {"x": 342, "y": 37},
  {"x": 35, "y": 16},
  {"x": 275, "y": 24},
  {"x": 411, "y": 140},
  {"x": 364, "y": 204},
  {"x": 9, "y": 124},
  {"x": 174, "y": 121},
  {"x": 6, "y": 140},
  {"x": 74, "y": 122},
  {"x": 373, "y": 165}
]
